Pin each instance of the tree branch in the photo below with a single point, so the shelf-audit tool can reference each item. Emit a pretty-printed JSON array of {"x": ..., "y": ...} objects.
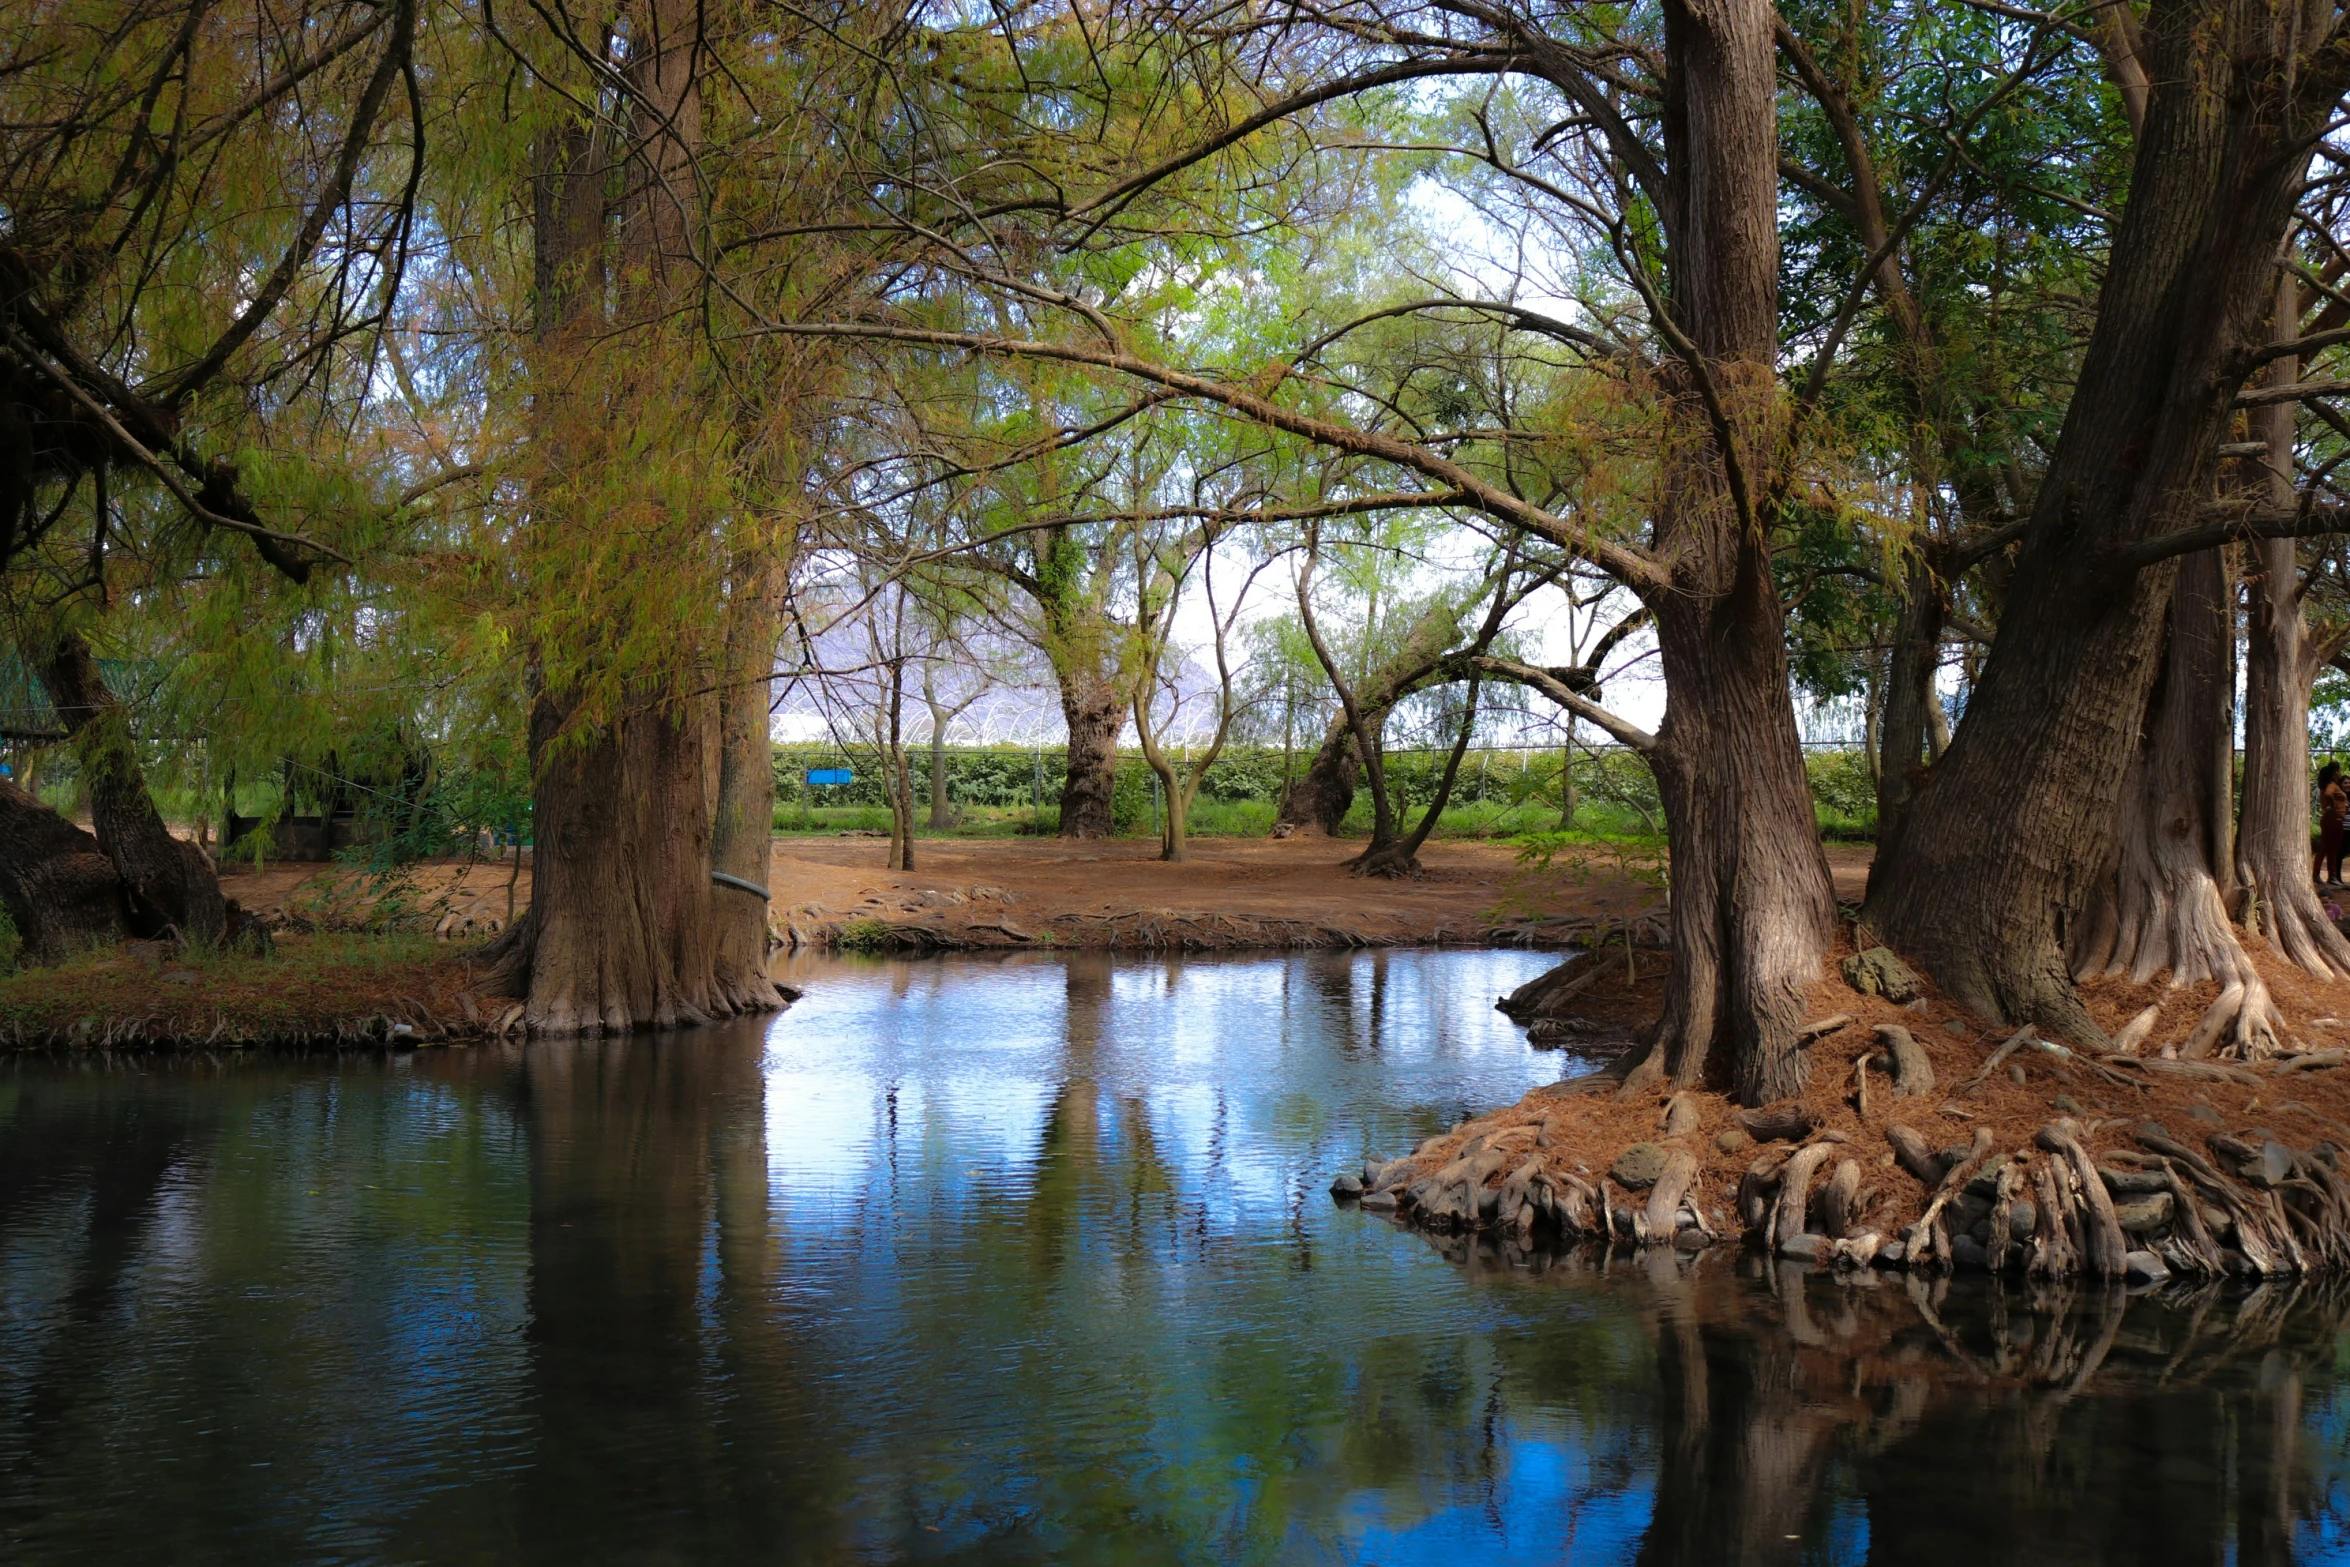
[{"x": 1543, "y": 681}]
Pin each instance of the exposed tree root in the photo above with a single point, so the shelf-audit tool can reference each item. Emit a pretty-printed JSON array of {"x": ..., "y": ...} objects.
[{"x": 2060, "y": 1163}]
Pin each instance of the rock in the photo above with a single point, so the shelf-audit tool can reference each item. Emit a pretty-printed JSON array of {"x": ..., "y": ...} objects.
[
  {"x": 2276, "y": 1162},
  {"x": 1348, "y": 1184},
  {"x": 1877, "y": 972},
  {"x": 1856, "y": 1251},
  {"x": 1956, "y": 1027},
  {"x": 1691, "y": 1240},
  {"x": 1985, "y": 1182},
  {"x": 1969, "y": 1210},
  {"x": 1639, "y": 1165},
  {"x": 2015, "y": 1073},
  {"x": 2065, "y": 1104},
  {"x": 2133, "y": 1183},
  {"x": 1447, "y": 1205},
  {"x": 2203, "y": 1112},
  {"x": 1379, "y": 1202},
  {"x": 2022, "y": 1219},
  {"x": 1966, "y": 1252},
  {"x": 1893, "y": 1253},
  {"x": 1951, "y": 1158},
  {"x": 2143, "y": 1267},
  {"x": 1681, "y": 1116},
  {"x": 1807, "y": 1247},
  {"x": 2144, "y": 1215},
  {"x": 180, "y": 976},
  {"x": 1735, "y": 1140}
]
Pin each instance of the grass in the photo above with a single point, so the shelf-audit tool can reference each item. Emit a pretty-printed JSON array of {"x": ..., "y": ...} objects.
[{"x": 308, "y": 988}]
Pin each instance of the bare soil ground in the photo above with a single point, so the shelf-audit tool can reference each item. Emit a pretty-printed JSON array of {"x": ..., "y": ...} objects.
[{"x": 1232, "y": 892}]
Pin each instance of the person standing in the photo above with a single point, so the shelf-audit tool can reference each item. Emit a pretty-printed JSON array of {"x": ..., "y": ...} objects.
[{"x": 2333, "y": 804}]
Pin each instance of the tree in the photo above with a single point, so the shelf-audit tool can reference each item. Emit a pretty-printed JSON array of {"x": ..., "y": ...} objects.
[
  {"x": 2017, "y": 821},
  {"x": 1162, "y": 574},
  {"x": 169, "y": 294}
]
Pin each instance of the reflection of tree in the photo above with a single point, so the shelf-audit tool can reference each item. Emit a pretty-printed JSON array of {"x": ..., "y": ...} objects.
[
  {"x": 671, "y": 1421},
  {"x": 102, "y": 1149},
  {"x": 1975, "y": 1423}
]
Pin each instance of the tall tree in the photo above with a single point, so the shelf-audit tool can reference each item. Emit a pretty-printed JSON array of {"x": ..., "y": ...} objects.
[{"x": 2017, "y": 821}]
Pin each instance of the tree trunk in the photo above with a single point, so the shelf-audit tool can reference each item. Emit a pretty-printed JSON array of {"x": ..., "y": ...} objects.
[
  {"x": 2164, "y": 904},
  {"x": 942, "y": 814},
  {"x": 2281, "y": 662},
  {"x": 743, "y": 827},
  {"x": 621, "y": 929},
  {"x": 59, "y": 888},
  {"x": 170, "y": 885},
  {"x": 1318, "y": 799},
  {"x": 1751, "y": 900},
  {"x": 2010, "y": 831},
  {"x": 1095, "y": 711},
  {"x": 1910, "y": 701}
]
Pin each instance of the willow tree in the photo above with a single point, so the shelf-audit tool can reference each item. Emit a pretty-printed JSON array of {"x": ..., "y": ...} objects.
[
  {"x": 207, "y": 224},
  {"x": 622, "y": 561}
]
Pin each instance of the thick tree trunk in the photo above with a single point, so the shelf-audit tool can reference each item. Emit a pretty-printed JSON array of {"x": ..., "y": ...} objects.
[
  {"x": 2164, "y": 904},
  {"x": 1095, "y": 711},
  {"x": 59, "y": 888},
  {"x": 743, "y": 827},
  {"x": 171, "y": 886},
  {"x": 621, "y": 929},
  {"x": 1318, "y": 799},
  {"x": 2010, "y": 831},
  {"x": 1751, "y": 901},
  {"x": 2281, "y": 662}
]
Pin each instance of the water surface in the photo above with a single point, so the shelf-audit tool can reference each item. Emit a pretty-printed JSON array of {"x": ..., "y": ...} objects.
[{"x": 1030, "y": 1260}]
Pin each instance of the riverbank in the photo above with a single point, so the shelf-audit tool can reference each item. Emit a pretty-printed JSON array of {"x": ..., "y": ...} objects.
[
  {"x": 311, "y": 989},
  {"x": 1952, "y": 1147}
]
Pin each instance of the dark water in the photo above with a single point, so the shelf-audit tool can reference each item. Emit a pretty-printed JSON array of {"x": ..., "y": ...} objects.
[{"x": 1031, "y": 1261}]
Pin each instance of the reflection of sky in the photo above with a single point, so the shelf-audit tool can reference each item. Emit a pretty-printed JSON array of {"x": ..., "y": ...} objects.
[{"x": 1069, "y": 1228}]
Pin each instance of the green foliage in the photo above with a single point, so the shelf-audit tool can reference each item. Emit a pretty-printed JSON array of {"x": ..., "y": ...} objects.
[
  {"x": 1842, "y": 792},
  {"x": 864, "y": 935},
  {"x": 11, "y": 943}
]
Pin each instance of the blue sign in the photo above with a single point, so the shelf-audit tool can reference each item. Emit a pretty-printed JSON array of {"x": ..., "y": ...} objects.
[{"x": 830, "y": 775}]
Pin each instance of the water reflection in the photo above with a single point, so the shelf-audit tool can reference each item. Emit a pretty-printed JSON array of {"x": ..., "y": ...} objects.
[{"x": 1030, "y": 1260}]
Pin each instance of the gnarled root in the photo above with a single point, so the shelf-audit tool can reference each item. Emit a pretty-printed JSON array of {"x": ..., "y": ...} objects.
[{"x": 2152, "y": 917}]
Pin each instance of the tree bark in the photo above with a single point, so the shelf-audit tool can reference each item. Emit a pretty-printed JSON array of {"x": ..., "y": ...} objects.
[
  {"x": 1095, "y": 710},
  {"x": 1318, "y": 799},
  {"x": 621, "y": 930},
  {"x": 2164, "y": 904},
  {"x": 2281, "y": 661},
  {"x": 169, "y": 884},
  {"x": 59, "y": 888},
  {"x": 1751, "y": 902},
  {"x": 743, "y": 826},
  {"x": 1910, "y": 701},
  {"x": 2010, "y": 831}
]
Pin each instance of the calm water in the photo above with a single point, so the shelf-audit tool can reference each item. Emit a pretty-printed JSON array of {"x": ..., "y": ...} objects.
[{"x": 1031, "y": 1261}]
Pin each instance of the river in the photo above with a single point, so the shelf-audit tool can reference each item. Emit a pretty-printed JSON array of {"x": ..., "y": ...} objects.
[{"x": 1029, "y": 1260}]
